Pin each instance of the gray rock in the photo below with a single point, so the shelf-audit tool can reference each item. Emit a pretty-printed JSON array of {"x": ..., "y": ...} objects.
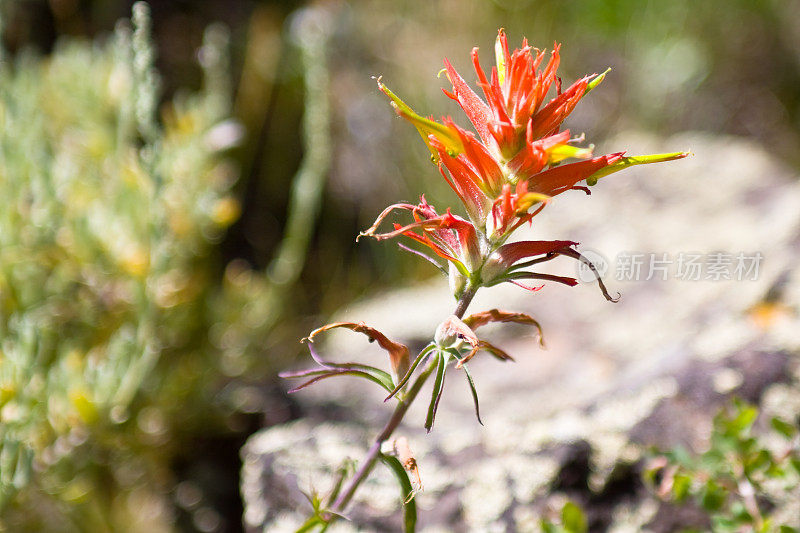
[{"x": 573, "y": 420}]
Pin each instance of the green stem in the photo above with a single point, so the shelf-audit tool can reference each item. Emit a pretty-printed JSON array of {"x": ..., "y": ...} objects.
[
  {"x": 400, "y": 411},
  {"x": 308, "y": 183}
]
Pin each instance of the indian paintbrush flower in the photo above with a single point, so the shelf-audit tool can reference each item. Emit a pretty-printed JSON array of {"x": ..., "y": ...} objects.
[
  {"x": 509, "y": 172},
  {"x": 505, "y": 173},
  {"x": 517, "y": 159}
]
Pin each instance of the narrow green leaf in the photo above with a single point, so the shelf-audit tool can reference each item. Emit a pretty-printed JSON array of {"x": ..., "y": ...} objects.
[
  {"x": 548, "y": 527},
  {"x": 425, "y": 126},
  {"x": 461, "y": 268},
  {"x": 453, "y": 352},
  {"x": 713, "y": 496},
  {"x": 744, "y": 418},
  {"x": 426, "y": 257},
  {"x": 409, "y": 505},
  {"x": 595, "y": 82},
  {"x": 309, "y": 372},
  {"x": 573, "y": 519},
  {"x": 626, "y": 162},
  {"x": 384, "y": 377},
  {"x": 757, "y": 461},
  {"x": 327, "y": 366},
  {"x": 795, "y": 462},
  {"x": 436, "y": 394},
  {"x": 723, "y": 524},
  {"x": 680, "y": 487},
  {"x": 411, "y": 369},
  {"x": 474, "y": 392},
  {"x": 783, "y": 427}
]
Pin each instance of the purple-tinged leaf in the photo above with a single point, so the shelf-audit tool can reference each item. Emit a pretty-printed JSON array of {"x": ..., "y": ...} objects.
[
  {"x": 342, "y": 372},
  {"x": 315, "y": 356},
  {"x": 425, "y": 256}
]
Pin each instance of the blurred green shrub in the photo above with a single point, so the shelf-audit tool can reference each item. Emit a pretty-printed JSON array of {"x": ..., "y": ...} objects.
[
  {"x": 108, "y": 281},
  {"x": 743, "y": 481}
]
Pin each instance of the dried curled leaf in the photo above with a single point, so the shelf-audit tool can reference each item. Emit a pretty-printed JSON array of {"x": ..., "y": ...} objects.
[
  {"x": 574, "y": 254},
  {"x": 487, "y": 347},
  {"x": 477, "y": 320},
  {"x": 398, "y": 353},
  {"x": 402, "y": 450}
]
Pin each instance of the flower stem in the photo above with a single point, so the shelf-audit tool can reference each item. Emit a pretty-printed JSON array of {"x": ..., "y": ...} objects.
[
  {"x": 400, "y": 411},
  {"x": 374, "y": 450},
  {"x": 465, "y": 300}
]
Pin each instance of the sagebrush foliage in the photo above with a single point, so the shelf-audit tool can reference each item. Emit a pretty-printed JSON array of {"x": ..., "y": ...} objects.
[{"x": 108, "y": 287}]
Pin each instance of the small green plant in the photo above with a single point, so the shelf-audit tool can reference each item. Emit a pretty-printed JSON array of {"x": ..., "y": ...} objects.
[
  {"x": 571, "y": 519},
  {"x": 742, "y": 479}
]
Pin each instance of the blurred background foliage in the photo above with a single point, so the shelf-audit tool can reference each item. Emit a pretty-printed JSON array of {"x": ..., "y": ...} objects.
[{"x": 156, "y": 268}]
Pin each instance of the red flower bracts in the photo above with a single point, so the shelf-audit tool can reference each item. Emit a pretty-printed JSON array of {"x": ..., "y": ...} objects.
[{"x": 509, "y": 171}]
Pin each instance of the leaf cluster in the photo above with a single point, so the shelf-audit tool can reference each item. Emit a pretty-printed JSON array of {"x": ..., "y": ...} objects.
[{"x": 740, "y": 478}]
